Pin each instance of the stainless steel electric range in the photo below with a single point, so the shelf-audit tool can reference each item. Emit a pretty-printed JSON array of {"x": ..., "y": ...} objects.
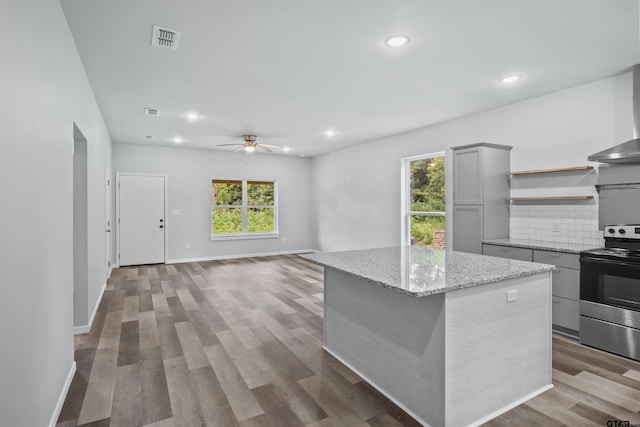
[{"x": 610, "y": 292}]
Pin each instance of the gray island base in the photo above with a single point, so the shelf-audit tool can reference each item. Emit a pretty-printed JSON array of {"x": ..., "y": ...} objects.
[{"x": 454, "y": 339}]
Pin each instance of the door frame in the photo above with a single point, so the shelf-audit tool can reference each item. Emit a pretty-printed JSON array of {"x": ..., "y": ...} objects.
[{"x": 117, "y": 212}]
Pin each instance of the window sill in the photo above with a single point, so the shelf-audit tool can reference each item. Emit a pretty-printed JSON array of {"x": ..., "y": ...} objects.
[{"x": 243, "y": 236}]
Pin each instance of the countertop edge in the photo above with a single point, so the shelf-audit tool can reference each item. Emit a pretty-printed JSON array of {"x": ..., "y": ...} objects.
[
  {"x": 541, "y": 268},
  {"x": 541, "y": 246}
]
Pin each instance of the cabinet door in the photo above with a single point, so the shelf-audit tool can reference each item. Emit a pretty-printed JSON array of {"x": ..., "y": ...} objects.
[
  {"x": 565, "y": 313},
  {"x": 468, "y": 176},
  {"x": 467, "y": 228},
  {"x": 566, "y": 283}
]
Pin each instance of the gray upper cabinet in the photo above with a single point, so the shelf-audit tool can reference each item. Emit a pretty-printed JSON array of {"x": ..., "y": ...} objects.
[
  {"x": 467, "y": 169},
  {"x": 480, "y": 195}
]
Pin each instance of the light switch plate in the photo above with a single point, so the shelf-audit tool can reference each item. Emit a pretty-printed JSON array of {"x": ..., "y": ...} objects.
[{"x": 512, "y": 295}]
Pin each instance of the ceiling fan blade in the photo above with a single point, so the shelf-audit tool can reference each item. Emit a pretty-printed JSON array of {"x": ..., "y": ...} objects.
[
  {"x": 269, "y": 145},
  {"x": 239, "y": 149},
  {"x": 263, "y": 147},
  {"x": 228, "y": 145}
]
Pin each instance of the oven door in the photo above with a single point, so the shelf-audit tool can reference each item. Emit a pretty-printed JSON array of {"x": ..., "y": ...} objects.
[
  {"x": 609, "y": 282},
  {"x": 610, "y": 306}
]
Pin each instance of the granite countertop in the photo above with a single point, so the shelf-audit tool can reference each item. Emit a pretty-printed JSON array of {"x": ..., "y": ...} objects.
[
  {"x": 571, "y": 248},
  {"x": 421, "y": 271}
]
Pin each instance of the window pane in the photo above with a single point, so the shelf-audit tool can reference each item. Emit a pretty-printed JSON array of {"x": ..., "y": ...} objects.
[
  {"x": 427, "y": 231},
  {"x": 260, "y": 220},
  {"x": 226, "y": 220},
  {"x": 260, "y": 193},
  {"x": 227, "y": 193},
  {"x": 427, "y": 185}
]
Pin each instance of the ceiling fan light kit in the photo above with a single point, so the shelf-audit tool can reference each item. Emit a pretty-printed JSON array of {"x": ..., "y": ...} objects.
[{"x": 250, "y": 145}]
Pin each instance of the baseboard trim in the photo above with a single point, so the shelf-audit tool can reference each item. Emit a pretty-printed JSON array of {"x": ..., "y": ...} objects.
[
  {"x": 511, "y": 405},
  {"x": 380, "y": 389},
  {"x": 63, "y": 395},
  {"x": 84, "y": 329},
  {"x": 254, "y": 255}
]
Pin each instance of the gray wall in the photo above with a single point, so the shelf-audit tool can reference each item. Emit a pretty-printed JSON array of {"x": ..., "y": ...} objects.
[
  {"x": 44, "y": 92},
  {"x": 189, "y": 189},
  {"x": 356, "y": 191}
]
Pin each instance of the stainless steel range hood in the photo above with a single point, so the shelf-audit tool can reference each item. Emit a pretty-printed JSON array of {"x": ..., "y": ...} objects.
[{"x": 627, "y": 152}]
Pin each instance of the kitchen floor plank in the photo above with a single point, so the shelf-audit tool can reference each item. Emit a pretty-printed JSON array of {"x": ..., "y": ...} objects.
[
  {"x": 156, "y": 403},
  {"x": 212, "y": 398},
  {"x": 98, "y": 398},
  {"x": 191, "y": 346},
  {"x": 242, "y": 402},
  {"x": 184, "y": 399},
  {"x": 127, "y": 408}
]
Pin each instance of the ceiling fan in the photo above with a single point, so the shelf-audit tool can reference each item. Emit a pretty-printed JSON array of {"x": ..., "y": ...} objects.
[{"x": 250, "y": 145}]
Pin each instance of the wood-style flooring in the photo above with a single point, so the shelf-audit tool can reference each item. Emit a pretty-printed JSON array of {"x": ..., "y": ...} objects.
[{"x": 239, "y": 343}]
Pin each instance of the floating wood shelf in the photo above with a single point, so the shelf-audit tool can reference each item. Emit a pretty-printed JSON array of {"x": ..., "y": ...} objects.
[
  {"x": 523, "y": 199},
  {"x": 574, "y": 168}
]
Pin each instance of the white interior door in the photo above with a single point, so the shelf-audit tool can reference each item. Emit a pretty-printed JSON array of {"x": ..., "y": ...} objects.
[{"x": 141, "y": 220}]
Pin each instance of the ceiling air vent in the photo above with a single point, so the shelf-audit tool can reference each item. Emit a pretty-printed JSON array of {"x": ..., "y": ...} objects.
[
  {"x": 151, "y": 112},
  {"x": 165, "y": 37}
]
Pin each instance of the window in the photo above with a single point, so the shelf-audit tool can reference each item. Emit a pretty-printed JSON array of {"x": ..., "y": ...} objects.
[
  {"x": 424, "y": 202},
  {"x": 242, "y": 209}
]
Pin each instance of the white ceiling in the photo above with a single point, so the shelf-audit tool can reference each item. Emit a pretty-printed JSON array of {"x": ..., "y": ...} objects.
[{"x": 288, "y": 70}]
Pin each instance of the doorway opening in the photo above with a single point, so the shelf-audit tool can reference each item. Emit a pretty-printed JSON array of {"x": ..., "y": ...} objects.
[
  {"x": 80, "y": 230},
  {"x": 423, "y": 204}
]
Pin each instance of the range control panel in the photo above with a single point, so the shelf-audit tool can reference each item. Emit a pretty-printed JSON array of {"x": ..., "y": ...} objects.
[{"x": 627, "y": 231}]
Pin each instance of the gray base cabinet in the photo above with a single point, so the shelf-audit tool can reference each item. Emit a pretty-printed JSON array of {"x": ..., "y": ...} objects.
[{"x": 565, "y": 300}]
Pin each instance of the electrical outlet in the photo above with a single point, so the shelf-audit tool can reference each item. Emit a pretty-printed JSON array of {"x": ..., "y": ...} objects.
[
  {"x": 512, "y": 295},
  {"x": 187, "y": 245}
]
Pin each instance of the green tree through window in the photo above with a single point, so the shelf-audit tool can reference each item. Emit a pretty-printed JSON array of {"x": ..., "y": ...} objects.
[
  {"x": 243, "y": 207},
  {"x": 427, "y": 200}
]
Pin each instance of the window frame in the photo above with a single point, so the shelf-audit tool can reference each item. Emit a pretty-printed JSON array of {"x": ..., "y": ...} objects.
[
  {"x": 244, "y": 207},
  {"x": 406, "y": 212}
]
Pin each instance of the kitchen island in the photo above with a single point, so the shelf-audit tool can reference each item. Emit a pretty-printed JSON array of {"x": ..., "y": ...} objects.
[{"x": 452, "y": 338}]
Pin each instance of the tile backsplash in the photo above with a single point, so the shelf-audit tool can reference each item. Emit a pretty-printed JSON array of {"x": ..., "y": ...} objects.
[{"x": 566, "y": 223}]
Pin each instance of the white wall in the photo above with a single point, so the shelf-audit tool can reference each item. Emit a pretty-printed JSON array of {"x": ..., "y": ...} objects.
[
  {"x": 44, "y": 91},
  {"x": 189, "y": 190},
  {"x": 356, "y": 191}
]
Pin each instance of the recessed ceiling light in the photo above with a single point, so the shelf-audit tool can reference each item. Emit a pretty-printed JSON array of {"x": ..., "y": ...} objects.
[
  {"x": 330, "y": 133},
  {"x": 286, "y": 149},
  {"x": 178, "y": 140},
  {"x": 396, "y": 41},
  {"x": 193, "y": 116},
  {"x": 510, "y": 79}
]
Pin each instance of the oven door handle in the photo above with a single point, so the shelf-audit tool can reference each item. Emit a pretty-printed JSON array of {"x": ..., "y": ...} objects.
[{"x": 609, "y": 262}]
